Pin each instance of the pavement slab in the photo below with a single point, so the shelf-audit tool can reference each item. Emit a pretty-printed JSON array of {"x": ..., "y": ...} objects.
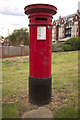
[{"x": 41, "y": 112}]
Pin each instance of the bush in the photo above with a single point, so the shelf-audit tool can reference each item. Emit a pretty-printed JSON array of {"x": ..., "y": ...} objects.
[
  {"x": 57, "y": 47},
  {"x": 67, "y": 47},
  {"x": 72, "y": 44}
]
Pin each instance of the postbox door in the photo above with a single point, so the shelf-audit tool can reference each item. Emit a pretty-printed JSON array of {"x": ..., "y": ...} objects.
[{"x": 40, "y": 51}]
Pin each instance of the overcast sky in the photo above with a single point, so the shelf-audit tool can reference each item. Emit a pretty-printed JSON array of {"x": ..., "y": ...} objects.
[{"x": 12, "y": 12}]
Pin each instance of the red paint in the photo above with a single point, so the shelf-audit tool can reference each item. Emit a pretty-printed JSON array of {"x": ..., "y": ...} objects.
[{"x": 40, "y": 50}]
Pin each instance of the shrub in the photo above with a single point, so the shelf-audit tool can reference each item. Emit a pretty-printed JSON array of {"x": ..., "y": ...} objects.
[
  {"x": 71, "y": 44},
  {"x": 57, "y": 47},
  {"x": 67, "y": 47},
  {"x": 74, "y": 43}
]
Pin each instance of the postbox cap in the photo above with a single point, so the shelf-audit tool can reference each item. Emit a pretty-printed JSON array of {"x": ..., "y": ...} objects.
[{"x": 35, "y": 8}]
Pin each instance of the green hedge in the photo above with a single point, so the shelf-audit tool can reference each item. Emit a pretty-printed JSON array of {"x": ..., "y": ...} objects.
[
  {"x": 57, "y": 47},
  {"x": 67, "y": 47},
  {"x": 71, "y": 44}
]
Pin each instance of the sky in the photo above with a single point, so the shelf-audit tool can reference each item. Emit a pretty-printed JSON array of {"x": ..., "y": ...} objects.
[{"x": 12, "y": 12}]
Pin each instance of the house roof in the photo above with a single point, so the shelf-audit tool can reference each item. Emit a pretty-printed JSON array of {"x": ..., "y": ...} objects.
[{"x": 67, "y": 18}]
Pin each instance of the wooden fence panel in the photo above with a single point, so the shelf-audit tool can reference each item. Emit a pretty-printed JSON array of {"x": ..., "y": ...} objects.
[{"x": 11, "y": 51}]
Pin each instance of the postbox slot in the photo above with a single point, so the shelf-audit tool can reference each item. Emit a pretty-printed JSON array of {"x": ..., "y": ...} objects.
[{"x": 45, "y": 19}]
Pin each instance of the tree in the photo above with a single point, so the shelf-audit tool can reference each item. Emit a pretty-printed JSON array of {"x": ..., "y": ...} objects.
[
  {"x": 18, "y": 36},
  {"x": 1, "y": 37}
]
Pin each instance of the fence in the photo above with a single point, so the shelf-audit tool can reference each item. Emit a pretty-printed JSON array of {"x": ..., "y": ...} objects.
[
  {"x": 11, "y": 51},
  {"x": 0, "y": 51}
]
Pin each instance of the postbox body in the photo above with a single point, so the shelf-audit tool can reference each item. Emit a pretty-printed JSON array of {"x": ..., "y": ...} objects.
[{"x": 40, "y": 48}]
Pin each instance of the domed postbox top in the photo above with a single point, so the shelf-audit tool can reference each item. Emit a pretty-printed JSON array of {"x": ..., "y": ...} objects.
[{"x": 39, "y": 8}]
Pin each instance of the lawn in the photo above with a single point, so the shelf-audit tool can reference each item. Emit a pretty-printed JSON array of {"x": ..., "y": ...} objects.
[{"x": 64, "y": 102}]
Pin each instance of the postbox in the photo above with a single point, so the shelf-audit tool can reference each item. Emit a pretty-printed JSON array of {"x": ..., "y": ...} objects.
[{"x": 40, "y": 49}]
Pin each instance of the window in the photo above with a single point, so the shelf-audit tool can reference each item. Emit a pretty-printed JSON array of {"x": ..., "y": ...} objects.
[
  {"x": 62, "y": 31},
  {"x": 70, "y": 25},
  {"x": 66, "y": 33},
  {"x": 69, "y": 32},
  {"x": 66, "y": 26},
  {"x": 76, "y": 17},
  {"x": 76, "y": 23},
  {"x": 62, "y": 25}
]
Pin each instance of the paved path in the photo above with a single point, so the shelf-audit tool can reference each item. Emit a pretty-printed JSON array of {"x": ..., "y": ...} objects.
[{"x": 42, "y": 112}]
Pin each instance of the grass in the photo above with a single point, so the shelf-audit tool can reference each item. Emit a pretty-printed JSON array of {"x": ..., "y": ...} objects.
[
  {"x": 65, "y": 79},
  {"x": 10, "y": 111},
  {"x": 64, "y": 84},
  {"x": 66, "y": 112},
  {"x": 14, "y": 85}
]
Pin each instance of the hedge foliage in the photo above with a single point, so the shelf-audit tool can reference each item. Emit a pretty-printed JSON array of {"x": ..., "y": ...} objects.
[
  {"x": 57, "y": 47},
  {"x": 71, "y": 44},
  {"x": 74, "y": 43}
]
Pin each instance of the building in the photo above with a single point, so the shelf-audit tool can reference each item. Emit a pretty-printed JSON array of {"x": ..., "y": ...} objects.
[
  {"x": 1, "y": 40},
  {"x": 66, "y": 27},
  {"x": 4, "y": 42}
]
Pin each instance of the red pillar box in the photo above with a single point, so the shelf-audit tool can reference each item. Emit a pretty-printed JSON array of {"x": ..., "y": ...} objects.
[{"x": 40, "y": 48}]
